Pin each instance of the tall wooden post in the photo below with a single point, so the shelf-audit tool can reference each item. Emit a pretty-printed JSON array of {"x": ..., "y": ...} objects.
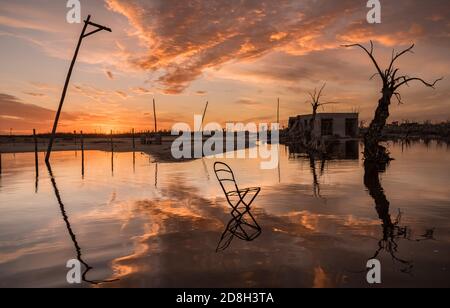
[
  {"x": 134, "y": 142},
  {"x": 66, "y": 85}
]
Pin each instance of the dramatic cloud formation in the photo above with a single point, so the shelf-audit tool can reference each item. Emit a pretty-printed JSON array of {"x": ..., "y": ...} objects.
[{"x": 184, "y": 38}]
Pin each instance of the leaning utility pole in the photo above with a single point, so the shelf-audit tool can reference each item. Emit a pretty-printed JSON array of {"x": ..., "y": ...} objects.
[{"x": 87, "y": 22}]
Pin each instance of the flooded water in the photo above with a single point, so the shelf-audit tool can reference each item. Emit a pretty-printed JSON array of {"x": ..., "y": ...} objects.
[{"x": 135, "y": 223}]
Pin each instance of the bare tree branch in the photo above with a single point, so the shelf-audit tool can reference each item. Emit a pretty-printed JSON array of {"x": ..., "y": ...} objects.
[
  {"x": 398, "y": 96},
  {"x": 370, "y": 54},
  {"x": 320, "y": 92},
  {"x": 398, "y": 55},
  {"x": 313, "y": 96},
  {"x": 406, "y": 80},
  {"x": 371, "y": 77},
  {"x": 393, "y": 77}
]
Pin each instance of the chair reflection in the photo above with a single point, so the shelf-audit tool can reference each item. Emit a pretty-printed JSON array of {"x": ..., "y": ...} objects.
[
  {"x": 71, "y": 232},
  {"x": 243, "y": 224}
]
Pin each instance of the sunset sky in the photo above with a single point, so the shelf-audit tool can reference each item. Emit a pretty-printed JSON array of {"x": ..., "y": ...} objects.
[{"x": 240, "y": 55}]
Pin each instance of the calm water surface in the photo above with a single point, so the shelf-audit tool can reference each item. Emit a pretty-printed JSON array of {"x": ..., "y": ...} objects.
[{"x": 136, "y": 223}]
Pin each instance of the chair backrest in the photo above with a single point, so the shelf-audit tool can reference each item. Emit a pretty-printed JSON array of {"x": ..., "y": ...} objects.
[{"x": 226, "y": 178}]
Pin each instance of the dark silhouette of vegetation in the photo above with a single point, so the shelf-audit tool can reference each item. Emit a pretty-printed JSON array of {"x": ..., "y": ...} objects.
[
  {"x": 307, "y": 137},
  {"x": 392, "y": 82}
]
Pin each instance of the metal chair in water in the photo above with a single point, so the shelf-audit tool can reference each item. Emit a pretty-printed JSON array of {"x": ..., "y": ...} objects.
[{"x": 242, "y": 225}]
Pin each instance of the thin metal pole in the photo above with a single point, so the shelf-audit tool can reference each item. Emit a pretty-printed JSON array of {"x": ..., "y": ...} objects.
[
  {"x": 112, "y": 154},
  {"x": 36, "y": 155},
  {"x": 278, "y": 112},
  {"x": 134, "y": 142},
  {"x": 82, "y": 153},
  {"x": 204, "y": 113},
  {"x": 154, "y": 116},
  {"x": 63, "y": 96}
]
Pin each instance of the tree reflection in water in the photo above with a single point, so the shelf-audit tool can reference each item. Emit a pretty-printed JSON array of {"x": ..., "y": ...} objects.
[
  {"x": 393, "y": 231},
  {"x": 316, "y": 182}
]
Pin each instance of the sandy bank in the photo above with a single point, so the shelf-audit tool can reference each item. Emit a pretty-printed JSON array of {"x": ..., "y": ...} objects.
[{"x": 161, "y": 153}]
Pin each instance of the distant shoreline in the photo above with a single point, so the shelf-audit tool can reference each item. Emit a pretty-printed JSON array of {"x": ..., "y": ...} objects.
[{"x": 160, "y": 152}]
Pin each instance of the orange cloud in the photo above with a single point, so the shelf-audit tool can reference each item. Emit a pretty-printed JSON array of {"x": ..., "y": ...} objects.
[
  {"x": 122, "y": 94},
  {"x": 141, "y": 91},
  {"x": 35, "y": 94},
  {"x": 185, "y": 38}
]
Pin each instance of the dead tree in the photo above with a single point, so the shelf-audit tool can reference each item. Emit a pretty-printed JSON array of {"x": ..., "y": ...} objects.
[
  {"x": 392, "y": 82},
  {"x": 315, "y": 104}
]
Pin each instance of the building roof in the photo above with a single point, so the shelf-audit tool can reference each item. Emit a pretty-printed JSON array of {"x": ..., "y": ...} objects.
[{"x": 330, "y": 114}]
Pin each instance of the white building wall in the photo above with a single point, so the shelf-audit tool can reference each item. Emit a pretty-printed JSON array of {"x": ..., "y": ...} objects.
[{"x": 339, "y": 122}]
